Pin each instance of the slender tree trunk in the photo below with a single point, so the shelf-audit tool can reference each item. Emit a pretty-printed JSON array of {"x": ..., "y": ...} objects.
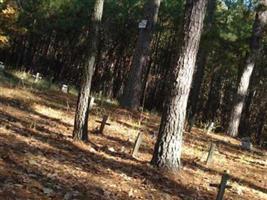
[
  {"x": 133, "y": 88},
  {"x": 242, "y": 90},
  {"x": 168, "y": 147},
  {"x": 80, "y": 131},
  {"x": 201, "y": 62}
]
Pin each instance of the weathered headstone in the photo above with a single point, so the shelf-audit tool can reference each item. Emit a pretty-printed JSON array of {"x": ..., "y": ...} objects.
[
  {"x": 65, "y": 88},
  {"x": 103, "y": 123},
  {"x": 211, "y": 153},
  {"x": 137, "y": 144},
  {"x": 2, "y": 66},
  {"x": 91, "y": 102},
  {"x": 210, "y": 127},
  {"x": 246, "y": 143},
  {"x": 101, "y": 97}
]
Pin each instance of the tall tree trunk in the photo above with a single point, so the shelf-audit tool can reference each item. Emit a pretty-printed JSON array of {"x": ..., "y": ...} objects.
[
  {"x": 168, "y": 147},
  {"x": 242, "y": 90},
  {"x": 201, "y": 62},
  {"x": 133, "y": 88},
  {"x": 80, "y": 131}
]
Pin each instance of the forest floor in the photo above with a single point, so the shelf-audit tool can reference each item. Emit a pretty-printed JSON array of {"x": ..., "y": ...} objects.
[{"x": 39, "y": 159}]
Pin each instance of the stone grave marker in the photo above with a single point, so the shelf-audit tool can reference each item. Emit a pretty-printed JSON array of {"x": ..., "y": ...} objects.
[
  {"x": 2, "y": 66},
  {"x": 91, "y": 102},
  {"x": 137, "y": 144},
  {"x": 211, "y": 153},
  {"x": 210, "y": 127},
  {"x": 65, "y": 88},
  {"x": 246, "y": 143}
]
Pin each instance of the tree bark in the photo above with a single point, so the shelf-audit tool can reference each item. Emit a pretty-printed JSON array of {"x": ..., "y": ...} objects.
[
  {"x": 242, "y": 90},
  {"x": 167, "y": 151},
  {"x": 80, "y": 131},
  {"x": 133, "y": 88}
]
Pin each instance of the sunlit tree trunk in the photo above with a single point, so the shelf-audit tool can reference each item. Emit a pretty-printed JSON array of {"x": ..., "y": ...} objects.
[
  {"x": 80, "y": 131},
  {"x": 168, "y": 147},
  {"x": 242, "y": 90},
  {"x": 133, "y": 88}
]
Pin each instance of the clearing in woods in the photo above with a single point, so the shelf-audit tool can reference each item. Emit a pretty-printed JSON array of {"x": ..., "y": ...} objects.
[{"x": 39, "y": 159}]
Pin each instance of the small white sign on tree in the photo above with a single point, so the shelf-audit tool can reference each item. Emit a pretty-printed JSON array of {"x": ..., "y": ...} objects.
[{"x": 142, "y": 24}]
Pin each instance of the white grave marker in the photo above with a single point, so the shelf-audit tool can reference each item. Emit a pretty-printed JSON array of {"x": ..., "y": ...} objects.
[
  {"x": 2, "y": 66},
  {"x": 210, "y": 127},
  {"x": 37, "y": 77},
  {"x": 65, "y": 88}
]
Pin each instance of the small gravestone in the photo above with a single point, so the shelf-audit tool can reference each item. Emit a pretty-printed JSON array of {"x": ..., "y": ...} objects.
[
  {"x": 91, "y": 102},
  {"x": 65, "y": 89},
  {"x": 246, "y": 143},
  {"x": 142, "y": 24},
  {"x": 210, "y": 127},
  {"x": 101, "y": 96},
  {"x": 211, "y": 153},
  {"x": 2, "y": 66},
  {"x": 37, "y": 77},
  {"x": 137, "y": 144},
  {"x": 103, "y": 123}
]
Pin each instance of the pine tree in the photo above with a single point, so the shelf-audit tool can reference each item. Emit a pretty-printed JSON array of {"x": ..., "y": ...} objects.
[
  {"x": 168, "y": 147},
  {"x": 242, "y": 90},
  {"x": 80, "y": 131},
  {"x": 133, "y": 88}
]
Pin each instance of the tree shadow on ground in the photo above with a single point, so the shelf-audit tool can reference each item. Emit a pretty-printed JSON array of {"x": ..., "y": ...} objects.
[
  {"x": 74, "y": 157},
  {"x": 126, "y": 143},
  {"x": 229, "y": 147},
  {"x": 193, "y": 164}
]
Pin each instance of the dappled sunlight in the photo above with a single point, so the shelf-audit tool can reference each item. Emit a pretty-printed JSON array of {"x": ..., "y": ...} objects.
[
  {"x": 49, "y": 112},
  {"x": 36, "y": 144}
]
